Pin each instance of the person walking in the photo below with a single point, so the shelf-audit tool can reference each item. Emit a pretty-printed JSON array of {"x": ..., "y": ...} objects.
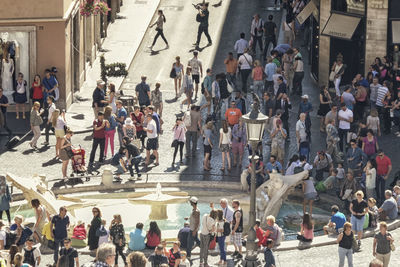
[
  {"x": 345, "y": 117},
  {"x": 58, "y": 229},
  {"x": 207, "y": 145},
  {"x": 345, "y": 241},
  {"x": 121, "y": 117},
  {"x": 143, "y": 92},
  {"x": 245, "y": 62},
  {"x": 117, "y": 234},
  {"x": 66, "y": 152},
  {"x": 187, "y": 88},
  {"x": 383, "y": 242},
  {"x": 241, "y": 45},
  {"x": 109, "y": 130},
  {"x": 98, "y": 138},
  {"x": 225, "y": 142},
  {"x": 159, "y": 28},
  {"x": 194, "y": 224},
  {"x": 231, "y": 65},
  {"x": 152, "y": 140},
  {"x": 35, "y": 121},
  {"x": 256, "y": 31},
  {"x": 257, "y": 75},
  {"x": 58, "y": 123},
  {"x": 93, "y": 239},
  {"x": 207, "y": 230},
  {"x": 270, "y": 32},
  {"x": 239, "y": 140},
  {"x": 179, "y": 131},
  {"x": 337, "y": 71},
  {"x": 98, "y": 97},
  {"x": 358, "y": 209},
  {"x": 5, "y": 199},
  {"x": 192, "y": 131},
  {"x": 196, "y": 71},
  {"x": 178, "y": 69},
  {"x": 41, "y": 216},
  {"x": 268, "y": 254},
  {"x": 287, "y": 60},
  {"x": 270, "y": 71},
  {"x": 202, "y": 18},
  {"x": 298, "y": 76}
]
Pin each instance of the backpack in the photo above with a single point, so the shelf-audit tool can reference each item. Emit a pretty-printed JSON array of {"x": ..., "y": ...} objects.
[
  {"x": 299, "y": 169},
  {"x": 101, "y": 231},
  {"x": 11, "y": 236},
  {"x": 29, "y": 257},
  {"x": 227, "y": 229},
  {"x": 187, "y": 119}
]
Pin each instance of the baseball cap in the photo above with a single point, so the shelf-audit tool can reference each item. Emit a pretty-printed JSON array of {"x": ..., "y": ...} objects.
[
  {"x": 54, "y": 69},
  {"x": 304, "y": 96},
  {"x": 194, "y": 200},
  {"x": 100, "y": 81}
]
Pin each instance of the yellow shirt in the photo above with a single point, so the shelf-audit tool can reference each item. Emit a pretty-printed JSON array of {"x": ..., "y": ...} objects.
[{"x": 47, "y": 231}]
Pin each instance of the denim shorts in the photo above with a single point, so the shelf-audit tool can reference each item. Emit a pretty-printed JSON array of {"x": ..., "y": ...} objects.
[{"x": 357, "y": 224}]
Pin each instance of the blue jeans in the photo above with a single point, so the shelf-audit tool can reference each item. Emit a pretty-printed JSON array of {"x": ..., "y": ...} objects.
[
  {"x": 345, "y": 253},
  {"x": 135, "y": 163},
  {"x": 380, "y": 188},
  {"x": 57, "y": 244},
  {"x": 221, "y": 245},
  {"x": 190, "y": 242}
]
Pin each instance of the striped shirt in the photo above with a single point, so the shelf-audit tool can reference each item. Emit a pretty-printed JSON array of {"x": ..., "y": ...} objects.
[{"x": 382, "y": 91}]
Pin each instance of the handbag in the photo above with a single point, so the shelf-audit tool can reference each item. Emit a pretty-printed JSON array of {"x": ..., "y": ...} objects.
[
  {"x": 229, "y": 86},
  {"x": 332, "y": 76},
  {"x": 175, "y": 143},
  {"x": 172, "y": 74},
  {"x": 69, "y": 152},
  {"x": 392, "y": 247}
]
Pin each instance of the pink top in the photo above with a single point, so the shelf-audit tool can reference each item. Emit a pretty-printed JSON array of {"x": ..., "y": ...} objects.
[
  {"x": 258, "y": 73},
  {"x": 308, "y": 233},
  {"x": 179, "y": 133},
  {"x": 369, "y": 146}
]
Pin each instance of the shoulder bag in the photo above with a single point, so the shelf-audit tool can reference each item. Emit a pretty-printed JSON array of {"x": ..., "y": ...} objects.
[
  {"x": 175, "y": 143},
  {"x": 172, "y": 74}
]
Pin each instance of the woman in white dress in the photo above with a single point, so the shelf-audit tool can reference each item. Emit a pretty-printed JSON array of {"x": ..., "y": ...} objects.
[
  {"x": 112, "y": 98},
  {"x": 7, "y": 71}
]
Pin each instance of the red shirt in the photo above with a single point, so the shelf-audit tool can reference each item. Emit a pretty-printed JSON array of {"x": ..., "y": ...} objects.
[
  {"x": 383, "y": 165},
  {"x": 153, "y": 240},
  {"x": 37, "y": 91},
  {"x": 137, "y": 120},
  {"x": 99, "y": 133},
  {"x": 233, "y": 115},
  {"x": 260, "y": 236}
]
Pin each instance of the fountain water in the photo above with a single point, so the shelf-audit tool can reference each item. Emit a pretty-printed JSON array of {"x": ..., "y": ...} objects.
[{"x": 158, "y": 197}]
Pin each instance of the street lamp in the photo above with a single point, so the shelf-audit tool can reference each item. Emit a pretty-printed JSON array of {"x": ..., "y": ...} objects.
[{"x": 255, "y": 123}]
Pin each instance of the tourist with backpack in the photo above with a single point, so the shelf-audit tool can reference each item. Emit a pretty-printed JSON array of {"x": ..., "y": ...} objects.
[{"x": 31, "y": 254}]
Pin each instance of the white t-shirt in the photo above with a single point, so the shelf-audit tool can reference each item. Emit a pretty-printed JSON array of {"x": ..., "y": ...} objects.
[
  {"x": 51, "y": 110},
  {"x": 195, "y": 63},
  {"x": 60, "y": 123},
  {"x": 301, "y": 128},
  {"x": 348, "y": 114},
  {"x": 226, "y": 137},
  {"x": 152, "y": 126},
  {"x": 206, "y": 224},
  {"x": 3, "y": 236},
  {"x": 244, "y": 61},
  {"x": 370, "y": 179}
]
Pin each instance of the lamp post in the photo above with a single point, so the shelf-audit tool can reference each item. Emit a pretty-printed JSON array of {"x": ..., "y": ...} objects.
[{"x": 255, "y": 123}]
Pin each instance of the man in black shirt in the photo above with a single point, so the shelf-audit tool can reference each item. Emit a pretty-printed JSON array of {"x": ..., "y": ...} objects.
[
  {"x": 268, "y": 105},
  {"x": 183, "y": 235},
  {"x": 133, "y": 156},
  {"x": 70, "y": 252},
  {"x": 157, "y": 258},
  {"x": 99, "y": 95},
  {"x": 202, "y": 17},
  {"x": 270, "y": 30},
  {"x": 3, "y": 110}
]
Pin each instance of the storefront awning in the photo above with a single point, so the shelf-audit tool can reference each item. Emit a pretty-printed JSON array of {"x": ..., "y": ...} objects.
[
  {"x": 306, "y": 12},
  {"x": 341, "y": 26},
  {"x": 396, "y": 31}
]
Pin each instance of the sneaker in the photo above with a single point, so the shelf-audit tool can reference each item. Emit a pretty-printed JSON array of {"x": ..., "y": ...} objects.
[{"x": 45, "y": 143}]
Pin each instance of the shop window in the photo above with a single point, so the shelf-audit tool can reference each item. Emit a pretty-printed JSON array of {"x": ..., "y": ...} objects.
[{"x": 349, "y": 6}]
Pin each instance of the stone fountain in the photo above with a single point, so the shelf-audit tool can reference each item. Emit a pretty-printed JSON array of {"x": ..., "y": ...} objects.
[
  {"x": 158, "y": 201},
  {"x": 272, "y": 193}
]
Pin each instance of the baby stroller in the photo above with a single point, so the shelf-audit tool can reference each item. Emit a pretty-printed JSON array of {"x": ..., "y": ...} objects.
[{"x": 78, "y": 164}]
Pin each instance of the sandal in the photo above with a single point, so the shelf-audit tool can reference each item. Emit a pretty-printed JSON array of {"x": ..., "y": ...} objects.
[{"x": 222, "y": 169}]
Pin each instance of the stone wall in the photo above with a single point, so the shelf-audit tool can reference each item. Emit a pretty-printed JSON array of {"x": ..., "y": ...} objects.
[{"x": 324, "y": 43}]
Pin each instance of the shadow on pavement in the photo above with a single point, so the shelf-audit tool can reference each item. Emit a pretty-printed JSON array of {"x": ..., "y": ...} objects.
[{"x": 51, "y": 162}]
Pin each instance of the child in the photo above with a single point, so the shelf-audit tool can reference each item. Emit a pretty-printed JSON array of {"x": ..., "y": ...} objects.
[
  {"x": 184, "y": 261},
  {"x": 373, "y": 213},
  {"x": 70, "y": 252},
  {"x": 103, "y": 233},
  {"x": 118, "y": 161},
  {"x": 31, "y": 254},
  {"x": 340, "y": 174},
  {"x": 268, "y": 255}
]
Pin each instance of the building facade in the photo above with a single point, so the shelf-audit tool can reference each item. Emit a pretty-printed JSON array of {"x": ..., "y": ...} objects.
[
  {"x": 357, "y": 30},
  {"x": 41, "y": 34}
]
